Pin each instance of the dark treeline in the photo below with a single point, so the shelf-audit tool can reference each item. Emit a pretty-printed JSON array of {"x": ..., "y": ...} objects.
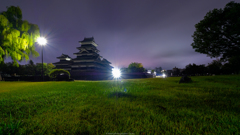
[
  {"x": 29, "y": 69},
  {"x": 216, "y": 67}
]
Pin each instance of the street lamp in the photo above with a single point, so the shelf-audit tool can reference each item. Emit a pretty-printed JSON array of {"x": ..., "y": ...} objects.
[
  {"x": 42, "y": 41},
  {"x": 116, "y": 73}
]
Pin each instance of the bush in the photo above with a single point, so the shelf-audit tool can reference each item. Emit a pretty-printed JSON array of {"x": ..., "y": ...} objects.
[{"x": 56, "y": 73}]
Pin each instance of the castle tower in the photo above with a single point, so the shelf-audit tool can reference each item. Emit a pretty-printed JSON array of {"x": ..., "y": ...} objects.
[
  {"x": 64, "y": 63},
  {"x": 88, "y": 64}
]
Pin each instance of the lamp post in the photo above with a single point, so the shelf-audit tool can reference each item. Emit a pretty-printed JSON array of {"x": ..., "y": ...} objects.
[
  {"x": 116, "y": 73},
  {"x": 42, "y": 41}
]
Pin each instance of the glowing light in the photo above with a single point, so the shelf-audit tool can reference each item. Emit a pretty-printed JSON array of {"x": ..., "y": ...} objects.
[
  {"x": 116, "y": 73},
  {"x": 42, "y": 41},
  {"x": 68, "y": 59},
  {"x": 164, "y": 75}
]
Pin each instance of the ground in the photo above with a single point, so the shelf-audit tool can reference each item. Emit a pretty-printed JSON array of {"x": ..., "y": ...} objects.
[{"x": 208, "y": 105}]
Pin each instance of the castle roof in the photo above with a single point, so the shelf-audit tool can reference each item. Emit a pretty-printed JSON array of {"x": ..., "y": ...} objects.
[
  {"x": 91, "y": 39},
  {"x": 106, "y": 61},
  {"x": 86, "y": 58},
  {"x": 63, "y": 56},
  {"x": 62, "y": 63},
  {"x": 88, "y": 41}
]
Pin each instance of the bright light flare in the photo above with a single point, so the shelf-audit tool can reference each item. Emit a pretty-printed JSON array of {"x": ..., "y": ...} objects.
[
  {"x": 116, "y": 73},
  {"x": 42, "y": 41},
  {"x": 164, "y": 75}
]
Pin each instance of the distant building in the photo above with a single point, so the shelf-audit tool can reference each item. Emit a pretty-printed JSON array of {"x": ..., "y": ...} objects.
[
  {"x": 149, "y": 71},
  {"x": 88, "y": 64},
  {"x": 175, "y": 71},
  {"x": 150, "y": 74},
  {"x": 158, "y": 70},
  {"x": 169, "y": 73}
]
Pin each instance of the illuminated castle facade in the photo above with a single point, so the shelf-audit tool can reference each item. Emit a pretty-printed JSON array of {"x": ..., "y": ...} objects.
[{"x": 88, "y": 65}]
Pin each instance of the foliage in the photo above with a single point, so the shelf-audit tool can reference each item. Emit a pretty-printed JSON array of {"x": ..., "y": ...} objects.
[
  {"x": 176, "y": 72},
  {"x": 28, "y": 69},
  {"x": 135, "y": 67},
  {"x": 152, "y": 71},
  {"x": 9, "y": 68},
  {"x": 218, "y": 34},
  {"x": 55, "y": 72},
  {"x": 234, "y": 63},
  {"x": 31, "y": 68},
  {"x": 227, "y": 68},
  {"x": 209, "y": 105},
  {"x": 17, "y": 36},
  {"x": 193, "y": 69},
  {"x": 215, "y": 67}
]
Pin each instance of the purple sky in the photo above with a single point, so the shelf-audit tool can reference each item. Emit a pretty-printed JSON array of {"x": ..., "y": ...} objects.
[{"x": 152, "y": 32}]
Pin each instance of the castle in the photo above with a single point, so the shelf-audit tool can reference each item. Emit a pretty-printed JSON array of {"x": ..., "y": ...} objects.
[{"x": 88, "y": 65}]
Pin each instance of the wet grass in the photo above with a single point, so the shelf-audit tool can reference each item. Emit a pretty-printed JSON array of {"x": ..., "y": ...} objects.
[{"x": 208, "y": 105}]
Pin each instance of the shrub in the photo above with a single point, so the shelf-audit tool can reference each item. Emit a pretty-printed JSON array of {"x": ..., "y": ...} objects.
[{"x": 56, "y": 72}]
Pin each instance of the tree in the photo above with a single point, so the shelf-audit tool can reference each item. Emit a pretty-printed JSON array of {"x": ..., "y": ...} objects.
[
  {"x": 202, "y": 70},
  {"x": 176, "y": 72},
  {"x": 17, "y": 36},
  {"x": 152, "y": 71},
  {"x": 233, "y": 66},
  {"x": 30, "y": 68},
  {"x": 193, "y": 69},
  {"x": 218, "y": 34},
  {"x": 56, "y": 72},
  {"x": 9, "y": 68},
  {"x": 135, "y": 67},
  {"x": 47, "y": 68},
  {"x": 227, "y": 68},
  {"x": 50, "y": 67},
  {"x": 215, "y": 67}
]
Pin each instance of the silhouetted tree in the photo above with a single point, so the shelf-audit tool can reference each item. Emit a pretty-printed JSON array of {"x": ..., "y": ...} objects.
[
  {"x": 9, "y": 68},
  {"x": 176, "y": 72},
  {"x": 235, "y": 64},
  {"x": 202, "y": 70},
  {"x": 215, "y": 67},
  {"x": 30, "y": 68},
  {"x": 227, "y": 68},
  {"x": 232, "y": 66},
  {"x": 218, "y": 34},
  {"x": 135, "y": 67},
  {"x": 193, "y": 69}
]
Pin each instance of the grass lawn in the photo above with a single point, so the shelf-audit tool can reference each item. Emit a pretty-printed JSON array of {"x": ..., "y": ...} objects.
[{"x": 208, "y": 105}]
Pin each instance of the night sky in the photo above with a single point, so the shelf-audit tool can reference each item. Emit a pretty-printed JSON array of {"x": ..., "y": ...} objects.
[{"x": 152, "y": 32}]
